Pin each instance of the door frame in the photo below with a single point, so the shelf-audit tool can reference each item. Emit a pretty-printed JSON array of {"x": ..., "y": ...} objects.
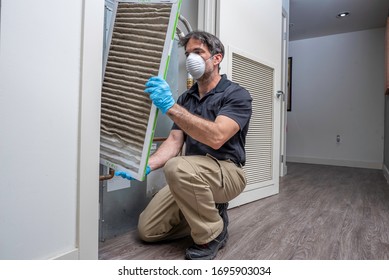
[
  {"x": 89, "y": 129},
  {"x": 284, "y": 88}
]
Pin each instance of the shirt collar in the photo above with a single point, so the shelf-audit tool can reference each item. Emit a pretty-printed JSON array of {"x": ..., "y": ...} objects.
[{"x": 220, "y": 87}]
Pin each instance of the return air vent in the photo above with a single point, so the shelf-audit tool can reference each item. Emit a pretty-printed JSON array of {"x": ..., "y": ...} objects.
[
  {"x": 258, "y": 79},
  {"x": 140, "y": 39}
]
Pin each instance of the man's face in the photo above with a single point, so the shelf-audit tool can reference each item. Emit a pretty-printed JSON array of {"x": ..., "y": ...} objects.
[{"x": 211, "y": 61}]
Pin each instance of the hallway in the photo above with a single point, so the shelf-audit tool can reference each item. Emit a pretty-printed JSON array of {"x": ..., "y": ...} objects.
[{"x": 322, "y": 212}]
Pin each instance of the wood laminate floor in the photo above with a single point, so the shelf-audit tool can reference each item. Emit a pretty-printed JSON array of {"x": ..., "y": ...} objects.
[{"x": 322, "y": 212}]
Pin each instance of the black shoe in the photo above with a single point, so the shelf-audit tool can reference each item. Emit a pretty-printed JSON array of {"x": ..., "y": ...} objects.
[
  {"x": 222, "y": 207},
  {"x": 207, "y": 251}
]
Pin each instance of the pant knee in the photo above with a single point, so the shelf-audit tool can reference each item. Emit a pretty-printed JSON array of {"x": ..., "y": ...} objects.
[
  {"x": 143, "y": 232},
  {"x": 178, "y": 169},
  {"x": 171, "y": 166}
]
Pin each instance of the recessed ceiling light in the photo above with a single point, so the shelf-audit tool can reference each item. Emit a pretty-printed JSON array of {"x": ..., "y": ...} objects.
[{"x": 343, "y": 14}]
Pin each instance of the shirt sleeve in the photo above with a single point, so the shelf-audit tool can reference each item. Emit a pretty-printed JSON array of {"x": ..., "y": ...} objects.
[{"x": 237, "y": 106}]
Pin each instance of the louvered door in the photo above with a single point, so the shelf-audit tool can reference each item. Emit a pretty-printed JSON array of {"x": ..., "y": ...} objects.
[
  {"x": 259, "y": 141},
  {"x": 259, "y": 79}
]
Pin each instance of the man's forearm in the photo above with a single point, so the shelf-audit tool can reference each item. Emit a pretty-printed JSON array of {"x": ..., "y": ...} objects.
[
  {"x": 204, "y": 131},
  {"x": 168, "y": 149}
]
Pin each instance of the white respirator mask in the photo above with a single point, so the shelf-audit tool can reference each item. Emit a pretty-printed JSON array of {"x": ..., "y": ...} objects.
[{"x": 195, "y": 65}]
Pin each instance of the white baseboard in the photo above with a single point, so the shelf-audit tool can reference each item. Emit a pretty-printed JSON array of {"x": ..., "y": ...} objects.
[
  {"x": 386, "y": 172},
  {"x": 71, "y": 255},
  {"x": 336, "y": 162}
]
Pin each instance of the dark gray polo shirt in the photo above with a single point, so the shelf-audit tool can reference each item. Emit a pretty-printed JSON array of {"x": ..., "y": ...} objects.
[{"x": 228, "y": 99}]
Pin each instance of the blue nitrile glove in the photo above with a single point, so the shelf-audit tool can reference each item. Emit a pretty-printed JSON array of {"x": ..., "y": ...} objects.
[
  {"x": 160, "y": 93},
  {"x": 125, "y": 175}
]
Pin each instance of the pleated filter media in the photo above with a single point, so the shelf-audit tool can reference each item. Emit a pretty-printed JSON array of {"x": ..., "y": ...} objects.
[{"x": 140, "y": 39}]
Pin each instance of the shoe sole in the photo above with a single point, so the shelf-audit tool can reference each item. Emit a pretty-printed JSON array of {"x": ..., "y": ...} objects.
[{"x": 210, "y": 257}]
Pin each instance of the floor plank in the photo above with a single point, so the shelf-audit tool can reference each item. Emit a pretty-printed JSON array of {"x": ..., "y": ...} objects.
[{"x": 322, "y": 212}]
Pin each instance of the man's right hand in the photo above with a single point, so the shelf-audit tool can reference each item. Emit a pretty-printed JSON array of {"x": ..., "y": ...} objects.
[{"x": 159, "y": 92}]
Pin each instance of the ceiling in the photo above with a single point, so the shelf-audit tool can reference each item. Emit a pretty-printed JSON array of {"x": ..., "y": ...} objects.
[{"x": 315, "y": 18}]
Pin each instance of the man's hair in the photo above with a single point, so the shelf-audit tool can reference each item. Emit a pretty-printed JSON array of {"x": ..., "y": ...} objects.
[{"x": 213, "y": 43}]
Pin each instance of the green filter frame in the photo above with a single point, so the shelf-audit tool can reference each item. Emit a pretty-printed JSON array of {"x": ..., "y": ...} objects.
[{"x": 118, "y": 150}]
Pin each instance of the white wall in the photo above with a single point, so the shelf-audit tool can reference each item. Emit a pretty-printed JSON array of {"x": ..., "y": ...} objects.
[
  {"x": 41, "y": 68},
  {"x": 338, "y": 89},
  {"x": 257, "y": 33}
]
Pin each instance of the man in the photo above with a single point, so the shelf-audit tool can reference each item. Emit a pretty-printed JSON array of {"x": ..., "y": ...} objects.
[{"x": 212, "y": 119}]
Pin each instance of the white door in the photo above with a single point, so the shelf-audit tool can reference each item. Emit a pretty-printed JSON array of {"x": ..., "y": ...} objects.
[{"x": 251, "y": 32}]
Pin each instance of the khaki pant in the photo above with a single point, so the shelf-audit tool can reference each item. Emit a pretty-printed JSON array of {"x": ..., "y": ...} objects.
[{"x": 187, "y": 204}]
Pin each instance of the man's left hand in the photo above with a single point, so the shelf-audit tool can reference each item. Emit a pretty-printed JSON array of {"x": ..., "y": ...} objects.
[
  {"x": 160, "y": 93},
  {"x": 127, "y": 176}
]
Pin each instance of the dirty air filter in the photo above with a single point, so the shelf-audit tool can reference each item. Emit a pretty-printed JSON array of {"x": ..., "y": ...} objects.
[{"x": 140, "y": 43}]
